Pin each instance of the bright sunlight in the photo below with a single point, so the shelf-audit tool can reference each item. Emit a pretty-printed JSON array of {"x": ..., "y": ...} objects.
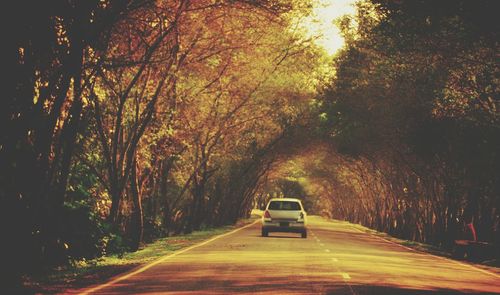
[{"x": 321, "y": 23}]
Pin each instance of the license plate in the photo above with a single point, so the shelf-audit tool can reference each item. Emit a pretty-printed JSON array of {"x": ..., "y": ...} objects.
[{"x": 284, "y": 224}]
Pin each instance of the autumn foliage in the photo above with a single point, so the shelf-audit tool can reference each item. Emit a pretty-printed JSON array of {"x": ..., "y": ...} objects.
[
  {"x": 130, "y": 120},
  {"x": 124, "y": 121}
]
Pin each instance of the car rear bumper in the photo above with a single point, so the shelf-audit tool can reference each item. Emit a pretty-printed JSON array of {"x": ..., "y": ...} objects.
[{"x": 296, "y": 227}]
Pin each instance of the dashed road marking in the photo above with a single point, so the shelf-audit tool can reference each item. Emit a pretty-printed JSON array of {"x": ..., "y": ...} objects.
[{"x": 345, "y": 276}]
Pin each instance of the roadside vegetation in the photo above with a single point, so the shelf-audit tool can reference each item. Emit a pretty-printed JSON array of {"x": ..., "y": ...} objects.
[
  {"x": 87, "y": 272},
  {"x": 132, "y": 121},
  {"x": 414, "y": 119},
  {"x": 409, "y": 126}
]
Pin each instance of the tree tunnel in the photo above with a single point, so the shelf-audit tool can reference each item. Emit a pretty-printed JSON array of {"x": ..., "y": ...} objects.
[{"x": 134, "y": 120}]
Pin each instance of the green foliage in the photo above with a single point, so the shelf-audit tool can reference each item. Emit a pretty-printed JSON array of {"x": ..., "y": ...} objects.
[
  {"x": 93, "y": 271},
  {"x": 413, "y": 113},
  {"x": 86, "y": 235}
]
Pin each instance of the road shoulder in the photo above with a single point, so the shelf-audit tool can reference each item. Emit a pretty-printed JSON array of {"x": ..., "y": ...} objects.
[
  {"x": 83, "y": 274},
  {"x": 423, "y": 248}
]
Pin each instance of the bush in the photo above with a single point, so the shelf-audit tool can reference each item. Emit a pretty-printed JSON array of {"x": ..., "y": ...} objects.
[{"x": 86, "y": 235}]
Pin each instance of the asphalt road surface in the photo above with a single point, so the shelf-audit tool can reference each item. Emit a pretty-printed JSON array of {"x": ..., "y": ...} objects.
[{"x": 336, "y": 258}]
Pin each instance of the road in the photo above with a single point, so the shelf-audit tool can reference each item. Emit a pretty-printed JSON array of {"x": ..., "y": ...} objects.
[{"x": 336, "y": 258}]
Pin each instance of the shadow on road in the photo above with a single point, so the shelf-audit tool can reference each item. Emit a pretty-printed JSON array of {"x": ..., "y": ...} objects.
[
  {"x": 334, "y": 260},
  {"x": 280, "y": 237},
  {"x": 285, "y": 285},
  {"x": 387, "y": 290}
]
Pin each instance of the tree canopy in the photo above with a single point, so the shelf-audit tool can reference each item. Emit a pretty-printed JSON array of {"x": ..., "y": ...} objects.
[{"x": 131, "y": 120}]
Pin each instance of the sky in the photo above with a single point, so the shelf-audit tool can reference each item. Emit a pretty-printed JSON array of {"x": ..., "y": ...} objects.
[{"x": 321, "y": 23}]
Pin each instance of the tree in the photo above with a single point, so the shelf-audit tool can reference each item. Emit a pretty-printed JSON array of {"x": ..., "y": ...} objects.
[
  {"x": 413, "y": 106},
  {"x": 48, "y": 78}
]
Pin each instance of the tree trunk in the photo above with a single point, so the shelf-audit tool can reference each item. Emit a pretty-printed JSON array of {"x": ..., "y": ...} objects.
[
  {"x": 137, "y": 226},
  {"x": 116, "y": 200},
  {"x": 166, "y": 166}
]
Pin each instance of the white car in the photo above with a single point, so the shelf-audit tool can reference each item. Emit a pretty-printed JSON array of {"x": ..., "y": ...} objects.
[{"x": 284, "y": 215}]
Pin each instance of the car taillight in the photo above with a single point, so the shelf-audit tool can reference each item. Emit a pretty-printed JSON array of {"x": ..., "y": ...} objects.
[{"x": 267, "y": 214}]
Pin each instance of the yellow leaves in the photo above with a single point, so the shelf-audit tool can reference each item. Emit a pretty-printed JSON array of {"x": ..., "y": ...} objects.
[
  {"x": 61, "y": 33},
  {"x": 238, "y": 77},
  {"x": 323, "y": 117}
]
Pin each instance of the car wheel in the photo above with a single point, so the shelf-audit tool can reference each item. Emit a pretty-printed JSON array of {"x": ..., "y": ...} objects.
[
  {"x": 265, "y": 233},
  {"x": 304, "y": 234}
]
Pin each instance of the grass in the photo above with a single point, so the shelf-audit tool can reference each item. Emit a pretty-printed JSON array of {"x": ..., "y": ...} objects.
[{"x": 84, "y": 273}]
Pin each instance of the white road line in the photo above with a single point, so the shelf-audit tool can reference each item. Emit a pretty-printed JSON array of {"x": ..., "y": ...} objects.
[
  {"x": 440, "y": 257},
  {"x": 160, "y": 260},
  {"x": 345, "y": 276}
]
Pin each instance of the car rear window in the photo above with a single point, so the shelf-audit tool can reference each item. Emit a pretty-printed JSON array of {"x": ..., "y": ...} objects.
[{"x": 284, "y": 205}]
